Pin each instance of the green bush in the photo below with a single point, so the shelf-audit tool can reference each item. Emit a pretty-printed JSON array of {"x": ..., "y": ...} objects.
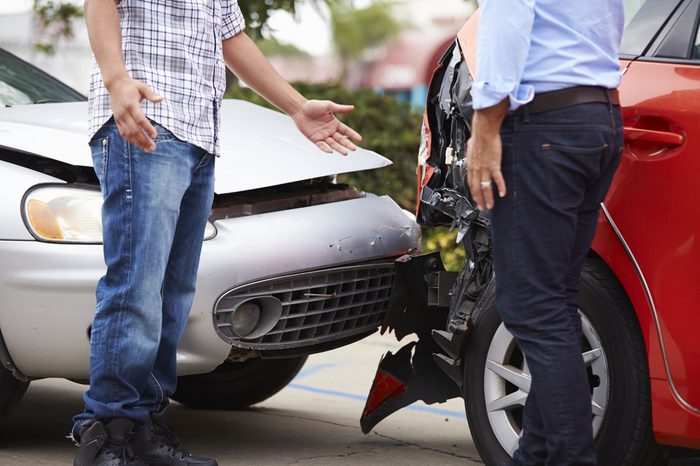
[
  {"x": 392, "y": 129},
  {"x": 444, "y": 240},
  {"x": 389, "y": 127}
]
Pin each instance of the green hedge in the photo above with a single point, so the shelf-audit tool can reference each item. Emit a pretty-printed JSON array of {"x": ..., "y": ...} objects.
[
  {"x": 388, "y": 127},
  {"x": 392, "y": 129}
]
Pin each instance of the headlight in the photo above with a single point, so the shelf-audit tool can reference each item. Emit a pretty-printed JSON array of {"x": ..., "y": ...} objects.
[
  {"x": 69, "y": 214},
  {"x": 64, "y": 214}
]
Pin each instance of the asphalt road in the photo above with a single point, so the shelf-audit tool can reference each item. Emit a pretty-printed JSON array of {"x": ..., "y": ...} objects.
[{"x": 314, "y": 421}]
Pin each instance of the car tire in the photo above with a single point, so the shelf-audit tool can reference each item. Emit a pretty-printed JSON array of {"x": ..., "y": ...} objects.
[
  {"x": 237, "y": 385},
  {"x": 624, "y": 429},
  {"x": 11, "y": 391}
]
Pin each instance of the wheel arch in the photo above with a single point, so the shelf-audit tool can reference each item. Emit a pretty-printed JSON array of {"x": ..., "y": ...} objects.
[
  {"x": 674, "y": 421},
  {"x": 8, "y": 364},
  {"x": 608, "y": 249}
]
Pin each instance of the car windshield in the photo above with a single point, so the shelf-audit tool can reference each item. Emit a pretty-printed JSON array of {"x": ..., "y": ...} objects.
[{"x": 22, "y": 83}]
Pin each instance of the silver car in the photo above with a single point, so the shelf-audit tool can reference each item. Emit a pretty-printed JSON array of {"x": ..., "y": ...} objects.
[{"x": 293, "y": 263}]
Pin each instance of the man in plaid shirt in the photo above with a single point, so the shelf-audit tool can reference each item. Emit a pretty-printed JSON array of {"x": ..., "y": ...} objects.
[{"x": 155, "y": 100}]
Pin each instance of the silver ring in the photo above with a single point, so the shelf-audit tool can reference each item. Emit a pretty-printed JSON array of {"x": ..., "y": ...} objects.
[{"x": 486, "y": 184}]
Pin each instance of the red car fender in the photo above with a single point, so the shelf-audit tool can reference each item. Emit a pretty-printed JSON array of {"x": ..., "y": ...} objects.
[
  {"x": 673, "y": 423},
  {"x": 609, "y": 248}
]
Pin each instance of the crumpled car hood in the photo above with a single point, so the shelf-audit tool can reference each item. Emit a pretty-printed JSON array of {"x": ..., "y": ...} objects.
[{"x": 259, "y": 147}]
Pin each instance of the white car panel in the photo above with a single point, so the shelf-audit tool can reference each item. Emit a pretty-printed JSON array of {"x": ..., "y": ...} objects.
[
  {"x": 256, "y": 155},
  {"x": 253, "y": 155},
  {"x": 15, "y": 181},
  {"x": 48, "y": 289}
]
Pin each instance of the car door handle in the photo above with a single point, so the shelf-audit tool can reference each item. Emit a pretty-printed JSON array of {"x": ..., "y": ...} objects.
[{"x": 647, "y": 135}]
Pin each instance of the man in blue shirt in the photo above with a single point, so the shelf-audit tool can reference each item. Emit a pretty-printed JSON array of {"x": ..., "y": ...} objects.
[{"x": 547, "y": 133}]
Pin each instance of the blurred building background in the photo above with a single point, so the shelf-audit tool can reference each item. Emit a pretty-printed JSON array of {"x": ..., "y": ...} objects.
[
  {"x": 20, "y": 31},
  {"x": 301, "y": 48},
  {"x": 402, "y": 66},
  {"x": 407, "y": 64}
]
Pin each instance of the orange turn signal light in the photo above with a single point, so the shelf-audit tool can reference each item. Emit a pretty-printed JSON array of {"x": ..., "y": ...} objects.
[{"x": 43, "y": 220}]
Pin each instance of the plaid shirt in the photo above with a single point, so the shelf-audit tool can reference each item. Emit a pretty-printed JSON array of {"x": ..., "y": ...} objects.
[{"x": 174, "y": 46}]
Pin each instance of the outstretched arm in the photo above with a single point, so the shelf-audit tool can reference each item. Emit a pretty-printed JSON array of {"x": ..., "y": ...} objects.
[{"x": 314, "y": 118}]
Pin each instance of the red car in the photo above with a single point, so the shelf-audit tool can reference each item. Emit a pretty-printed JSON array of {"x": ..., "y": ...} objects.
[{"x": 640, "y": 297}]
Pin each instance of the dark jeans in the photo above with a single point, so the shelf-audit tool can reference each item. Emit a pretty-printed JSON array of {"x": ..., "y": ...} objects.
[
  {"x": 558, "y": 166},
  {"x": 154, "y": 215}
]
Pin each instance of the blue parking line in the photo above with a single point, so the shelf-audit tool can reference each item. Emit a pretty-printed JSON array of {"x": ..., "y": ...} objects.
[
  {"x": 308, "y": 371},
  {"x": 352, "y": 396}
]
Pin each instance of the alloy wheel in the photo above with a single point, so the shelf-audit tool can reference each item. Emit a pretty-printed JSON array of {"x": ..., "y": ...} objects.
[{"x": 507, "y": 383}]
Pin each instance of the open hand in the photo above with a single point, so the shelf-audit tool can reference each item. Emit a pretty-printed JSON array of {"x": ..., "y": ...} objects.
[
  {"x": 126, "y": 95},
  {"x": 316, "y": 120}
]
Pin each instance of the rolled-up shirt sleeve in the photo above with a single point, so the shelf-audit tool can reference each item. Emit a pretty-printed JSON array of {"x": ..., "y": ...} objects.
[
  {"x": 503, "y": 44},
  {"x": 232, "y": 21}
]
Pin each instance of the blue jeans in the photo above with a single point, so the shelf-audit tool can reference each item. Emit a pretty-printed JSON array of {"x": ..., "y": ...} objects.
[
  {"x": 155, "y": 211},
  {"x": 558, "y": 166}
]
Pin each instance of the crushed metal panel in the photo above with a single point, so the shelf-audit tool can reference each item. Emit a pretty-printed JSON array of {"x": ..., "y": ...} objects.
[
  {"x": 260, "y": 147},
  {"x": 416, "y": 302}
]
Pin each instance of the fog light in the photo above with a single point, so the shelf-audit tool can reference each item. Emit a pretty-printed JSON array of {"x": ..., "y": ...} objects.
[{"x": 245, "y": 318}]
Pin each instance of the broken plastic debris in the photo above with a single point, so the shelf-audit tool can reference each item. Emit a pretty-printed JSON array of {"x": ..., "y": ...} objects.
[{"x": 449, "y": 156}]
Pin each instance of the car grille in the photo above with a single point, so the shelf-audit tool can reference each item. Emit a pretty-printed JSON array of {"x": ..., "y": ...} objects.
[{"x": 317, "y": 307}]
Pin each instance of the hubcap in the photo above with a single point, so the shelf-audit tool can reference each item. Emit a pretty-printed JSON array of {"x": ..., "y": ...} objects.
[{"x": 507, "y": 383}]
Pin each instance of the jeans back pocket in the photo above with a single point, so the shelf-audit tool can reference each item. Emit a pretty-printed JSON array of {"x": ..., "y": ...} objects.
[{"x": 570, "y": 170}]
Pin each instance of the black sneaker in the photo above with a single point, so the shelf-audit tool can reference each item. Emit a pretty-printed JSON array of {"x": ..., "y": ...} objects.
[
  {"x": 107, "y": 444},
  {"x": 157, "y": 445}
]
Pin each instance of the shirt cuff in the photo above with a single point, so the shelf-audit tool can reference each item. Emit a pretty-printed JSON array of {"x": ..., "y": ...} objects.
[
  {"x": 232, "y": 23},
  {"x": 485, "y": 95}
]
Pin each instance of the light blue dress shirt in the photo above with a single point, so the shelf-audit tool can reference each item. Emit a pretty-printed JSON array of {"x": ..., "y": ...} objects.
[{"x": 530, "y": 46}]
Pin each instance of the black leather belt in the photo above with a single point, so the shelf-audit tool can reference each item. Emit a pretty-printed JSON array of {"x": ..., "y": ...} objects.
[{"x": 568, "y": 97}]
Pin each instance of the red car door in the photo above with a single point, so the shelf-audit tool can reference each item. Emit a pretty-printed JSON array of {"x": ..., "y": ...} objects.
[{"x": 655, "y": 198}]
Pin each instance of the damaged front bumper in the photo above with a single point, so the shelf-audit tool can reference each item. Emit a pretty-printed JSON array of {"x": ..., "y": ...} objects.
[{"x": 440, "y": 308}]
